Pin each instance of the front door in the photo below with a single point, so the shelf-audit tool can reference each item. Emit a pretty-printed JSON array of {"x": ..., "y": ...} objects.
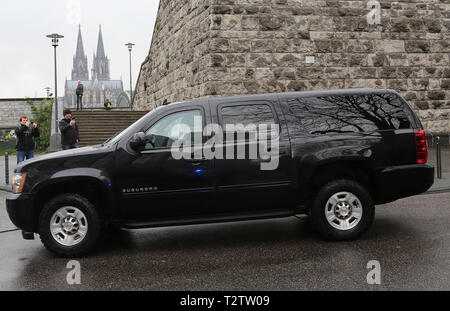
[{"x": 154, "y": 183}]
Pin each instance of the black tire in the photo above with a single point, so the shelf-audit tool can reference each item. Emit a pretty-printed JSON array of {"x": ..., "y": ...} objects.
[
  {"x": 94, "y": 231},
  {"x": 320, "y": 206}
]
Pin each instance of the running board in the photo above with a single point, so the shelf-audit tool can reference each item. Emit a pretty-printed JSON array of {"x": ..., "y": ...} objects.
[{"x": 203, "y": 220}]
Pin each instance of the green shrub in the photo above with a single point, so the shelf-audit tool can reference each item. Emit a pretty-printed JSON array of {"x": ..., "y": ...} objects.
[{"x": 42, "y": 115}]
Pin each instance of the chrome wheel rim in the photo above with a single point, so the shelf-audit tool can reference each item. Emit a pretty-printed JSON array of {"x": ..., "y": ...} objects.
[
  {"x": 343, "y": 210},
  {"x": 68, "y": 226}
]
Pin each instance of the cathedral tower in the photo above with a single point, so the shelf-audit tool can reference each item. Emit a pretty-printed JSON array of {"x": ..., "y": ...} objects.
[
  {"x": 100, "y": 66},
  {"x": 99, "y": 87},
  {"x": 80, "y": 63}
]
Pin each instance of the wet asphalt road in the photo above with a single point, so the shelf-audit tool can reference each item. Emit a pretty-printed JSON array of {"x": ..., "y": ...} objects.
[{"x": 410, "y": 238}]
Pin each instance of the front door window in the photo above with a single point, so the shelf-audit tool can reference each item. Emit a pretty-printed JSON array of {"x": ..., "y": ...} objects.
[{"x": 172, "y": 128}]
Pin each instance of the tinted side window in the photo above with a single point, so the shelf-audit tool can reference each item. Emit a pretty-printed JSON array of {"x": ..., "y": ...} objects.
[
  {"x": 349, "y": 113},
  {"x": 173, "y": 127},
  {"x": 247, "y": 114}
]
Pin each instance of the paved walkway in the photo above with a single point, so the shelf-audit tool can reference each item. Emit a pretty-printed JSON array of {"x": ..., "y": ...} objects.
[{"x": 439, "y": 184}]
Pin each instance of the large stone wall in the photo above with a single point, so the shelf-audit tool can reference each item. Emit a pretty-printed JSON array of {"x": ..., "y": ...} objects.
[
  {"x": 204, "y": 48},
  {"x": 11, "y": 109},
  {"x": 178, "y": 66}
]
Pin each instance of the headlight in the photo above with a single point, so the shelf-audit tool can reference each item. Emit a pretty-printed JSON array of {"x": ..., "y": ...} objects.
[{"x": 18, "y": 180}]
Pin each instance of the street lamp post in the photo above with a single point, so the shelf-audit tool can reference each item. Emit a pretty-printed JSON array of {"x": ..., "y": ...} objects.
[
  {"x": 130, "y": 47},
  {"x": 55, "y": 40},
  {"x": 48, "y": 89}
]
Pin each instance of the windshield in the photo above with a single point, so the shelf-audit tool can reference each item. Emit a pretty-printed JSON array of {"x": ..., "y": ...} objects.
[{"x": 125, "y": 132}]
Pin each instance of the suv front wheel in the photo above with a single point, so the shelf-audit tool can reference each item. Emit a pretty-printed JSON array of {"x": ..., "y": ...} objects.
[
  {"x": 69, "y": 225},
  {"x": 342, "y": 210}
]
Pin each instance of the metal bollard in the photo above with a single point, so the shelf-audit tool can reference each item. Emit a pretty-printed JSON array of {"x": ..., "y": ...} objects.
[
  {"x": 438, "y": 157},
  {"x": 6, "y": 168}
]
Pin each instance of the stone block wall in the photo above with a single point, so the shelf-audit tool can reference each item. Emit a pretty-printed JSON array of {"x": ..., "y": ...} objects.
[
  {"x": 176, "y": 67},
  {"x": 11, "y": 109},
  {"x": 205, "y": 48}
]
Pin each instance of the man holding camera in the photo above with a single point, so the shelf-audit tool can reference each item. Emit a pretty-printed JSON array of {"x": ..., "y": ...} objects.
[
  {"x": 69, "y": 131},
  {"x": 25, "y": 132}
]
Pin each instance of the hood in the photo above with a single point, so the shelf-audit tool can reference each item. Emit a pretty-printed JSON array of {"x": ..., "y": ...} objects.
[{"x": 66, "y": 154}]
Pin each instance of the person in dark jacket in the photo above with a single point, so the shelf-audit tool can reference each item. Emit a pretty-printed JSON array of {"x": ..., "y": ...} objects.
[
  {"x": 107, "y": 105},
  {"x": 69, "y": 131},
  {"x": 79, "y": 91},
  {"x": 25, "y": 143}
]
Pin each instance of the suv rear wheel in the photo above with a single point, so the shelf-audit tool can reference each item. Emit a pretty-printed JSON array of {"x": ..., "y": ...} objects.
[
  {"x": 342, "y": 210},
  {"x": 69, "y": 225}
]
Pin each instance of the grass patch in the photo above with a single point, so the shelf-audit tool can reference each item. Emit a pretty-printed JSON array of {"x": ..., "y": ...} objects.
[
  {"x": 14, "y": 152},
  {"x": 10, "y": 152}
]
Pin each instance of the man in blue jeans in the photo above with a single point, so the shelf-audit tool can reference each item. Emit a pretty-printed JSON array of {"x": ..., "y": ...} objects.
[
  {"x": 25, "y": 143},
  {"x": 79, "y": 91}
]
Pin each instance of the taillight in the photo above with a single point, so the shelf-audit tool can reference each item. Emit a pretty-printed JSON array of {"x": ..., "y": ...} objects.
[{"x": 421, "y": 146}]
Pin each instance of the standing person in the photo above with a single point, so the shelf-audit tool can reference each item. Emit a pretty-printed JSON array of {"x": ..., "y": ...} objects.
[
  {"x": 69, "y": 131},
  {"x": 79, "y": 92},
  {"x": 25, "y": 143}
]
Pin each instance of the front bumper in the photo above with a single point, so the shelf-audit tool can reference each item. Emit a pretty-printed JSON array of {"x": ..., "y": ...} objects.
[
  {"x": 20, "y": 210},
  {"x": 393, "y": 183}
]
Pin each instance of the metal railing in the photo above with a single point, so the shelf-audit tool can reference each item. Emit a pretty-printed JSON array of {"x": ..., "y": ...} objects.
[{"x": 103, "y": 109}]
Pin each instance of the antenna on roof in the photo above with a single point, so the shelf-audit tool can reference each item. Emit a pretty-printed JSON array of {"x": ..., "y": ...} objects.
[{"x": 166, "y": 102}]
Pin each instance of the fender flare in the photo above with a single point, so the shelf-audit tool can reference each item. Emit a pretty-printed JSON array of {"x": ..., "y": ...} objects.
[{"x": 80, "y": 174}]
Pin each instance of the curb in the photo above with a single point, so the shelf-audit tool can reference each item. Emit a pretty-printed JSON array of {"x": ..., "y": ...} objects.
[
  {"x": 436, "y": 191},
  {"x": 5, "y": 188}
]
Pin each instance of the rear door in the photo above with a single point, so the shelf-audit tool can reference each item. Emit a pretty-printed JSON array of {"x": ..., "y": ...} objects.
[{"x": 260, "y": 181}]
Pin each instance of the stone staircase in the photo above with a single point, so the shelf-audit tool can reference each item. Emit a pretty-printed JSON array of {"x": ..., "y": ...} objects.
[{"x": 96, "y": 126}]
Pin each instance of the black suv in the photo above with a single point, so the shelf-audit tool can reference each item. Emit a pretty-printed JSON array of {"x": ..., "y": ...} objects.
[{"x": 331, "y": 155}]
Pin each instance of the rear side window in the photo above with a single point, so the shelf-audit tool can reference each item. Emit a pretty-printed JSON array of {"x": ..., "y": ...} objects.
[
  {"x": 247, "y": 114},
  {"x": 246, "y": 119},
  {"x": 349, "y": 113}
]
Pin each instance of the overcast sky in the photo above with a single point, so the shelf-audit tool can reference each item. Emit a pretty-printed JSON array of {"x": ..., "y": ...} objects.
[{"x": 26, "y": 55}]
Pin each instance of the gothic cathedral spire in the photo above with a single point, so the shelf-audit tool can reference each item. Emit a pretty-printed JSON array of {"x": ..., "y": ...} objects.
[
  {"x": 80, "y": 63},
  {"x": 100, "y": 67}
]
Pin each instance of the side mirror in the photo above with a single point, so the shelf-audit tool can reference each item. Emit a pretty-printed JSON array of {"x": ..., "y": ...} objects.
[{"x": 138, "y": 141}]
